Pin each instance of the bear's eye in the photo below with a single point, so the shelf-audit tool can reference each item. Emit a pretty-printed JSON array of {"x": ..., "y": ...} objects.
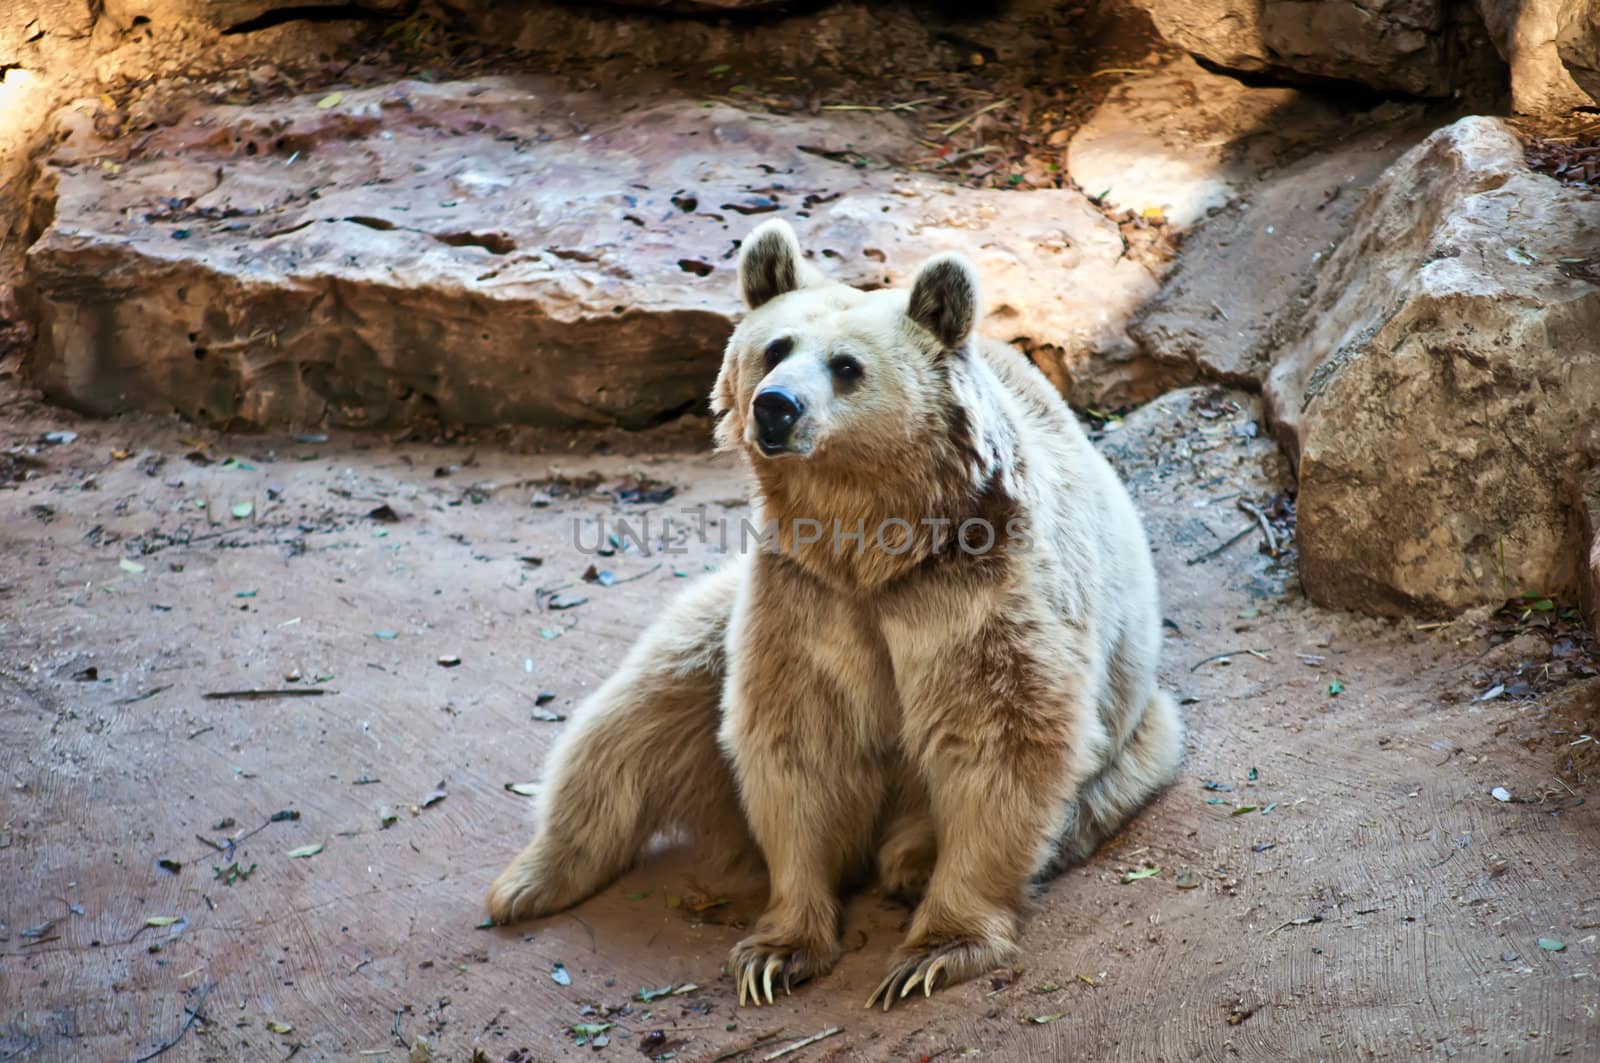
[
  {"x": 846, "y": 368},
  {"x": 777, "y": 351}
]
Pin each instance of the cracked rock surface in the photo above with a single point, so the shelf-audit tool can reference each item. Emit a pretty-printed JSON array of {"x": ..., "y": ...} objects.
[{"x": 503, "y": 250}]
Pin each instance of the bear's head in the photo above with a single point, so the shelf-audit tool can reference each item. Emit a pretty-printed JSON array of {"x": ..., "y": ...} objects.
[{"x": 833, "y": 377}]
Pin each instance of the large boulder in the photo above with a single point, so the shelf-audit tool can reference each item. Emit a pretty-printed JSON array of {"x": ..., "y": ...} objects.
[
  {"x": 502, "y": 251},
  {"x": 1526, "y": 32},
  {"x": 1578, "y": 45},
  {"x": 1442, "y": 396},
  {"x": 1422, "y": 47}
]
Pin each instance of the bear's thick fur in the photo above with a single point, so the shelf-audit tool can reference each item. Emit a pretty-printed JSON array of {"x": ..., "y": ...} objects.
[{"x": 942, "y": 665}]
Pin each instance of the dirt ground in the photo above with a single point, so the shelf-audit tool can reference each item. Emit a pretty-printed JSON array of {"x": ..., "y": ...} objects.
[{"x": 267, "y": 878}]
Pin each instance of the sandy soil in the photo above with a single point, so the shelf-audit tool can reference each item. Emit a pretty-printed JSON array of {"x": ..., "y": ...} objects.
[{"x": 1336, "y": 880}]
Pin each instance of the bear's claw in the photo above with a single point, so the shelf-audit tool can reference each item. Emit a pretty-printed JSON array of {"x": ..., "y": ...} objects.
[
  {"x": 905, "y": 976},
  {"x": 755, "y": 979},
  {"x": 956, "y": 962},
  {"x": 760, "y": 969}
]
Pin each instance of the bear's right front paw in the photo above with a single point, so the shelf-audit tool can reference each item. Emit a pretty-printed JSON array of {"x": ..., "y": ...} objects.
[{"x": 757, "y": 960}]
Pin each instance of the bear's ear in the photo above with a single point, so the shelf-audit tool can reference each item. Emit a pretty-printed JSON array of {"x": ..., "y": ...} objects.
[
  {"x": 944, "y": 299},
  {"x": 769, "y": 263}
]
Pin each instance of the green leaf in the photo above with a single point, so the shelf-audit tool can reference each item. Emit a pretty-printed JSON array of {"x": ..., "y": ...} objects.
[
  {"x": 1242, "y": 809},
  {"x": 646, "y": 995},
  {"x": 129, "y": 565},
  {"x": 639, "y": 895},
  {"x": 1040, "y": 1020},
  {"x": 1187, "y": 880},
  {"x": 330, "y": 100},
  {"x": 1335, "y": 688},
  {"x": 387, "y": 636},
  {"x": 170, "y": 920},
  {"x": 720, "y": 68},
  {"x": 559, "y": 975},
  {"x": 1269, "y": 808},
  {"x": 306, "y": 851},
  {"x": 242, "y": 510},
  {"x": 280, "y": 1027},
  {"x": 1253, "y": 776},
  {"x": 487, "y": 924},
  {"x": 1543, "y": 605},
  {"x": 1552, "y": 945},
  {"x": 1143, "y": 872},
  {"x": 589, "y": 1029}
]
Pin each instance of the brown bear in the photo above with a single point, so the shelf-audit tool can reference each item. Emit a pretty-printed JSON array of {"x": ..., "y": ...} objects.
[{"x": 939, "y": 665}]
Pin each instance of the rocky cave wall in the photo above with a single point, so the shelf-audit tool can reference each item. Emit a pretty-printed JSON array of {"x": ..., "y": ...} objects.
[{"x": 260, "y": 213}]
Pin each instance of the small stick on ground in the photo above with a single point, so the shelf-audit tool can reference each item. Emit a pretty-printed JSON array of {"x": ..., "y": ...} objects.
[
  {"x": 1261, "y": 519},
  {"x": 641, "y": 575},
  {"x": 1215, "y": 550},
  {"x": 194, "y": 1014},
  {"x": 1304, "y": 920},
  {"x": 1224, "y": 656},
  {"x": 749, "y": 1046},
  {"x": 135, "y": 699},
  {"x": 974, "y": 115},
  {"x": 259, "y": 695},
  {"x": 798, "y": 1045}
]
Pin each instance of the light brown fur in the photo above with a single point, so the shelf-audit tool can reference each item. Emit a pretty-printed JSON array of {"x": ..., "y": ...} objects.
[{"x": 962, "y": 723}]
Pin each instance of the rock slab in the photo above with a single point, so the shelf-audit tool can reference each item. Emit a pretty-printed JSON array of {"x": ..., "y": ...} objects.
[
  {"x": 1421, "y": 47},
  {"x": 1442, "y": 395},
  {"x": 504, "y": 251}
]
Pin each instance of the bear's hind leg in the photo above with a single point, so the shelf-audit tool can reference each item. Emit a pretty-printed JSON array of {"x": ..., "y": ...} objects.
[
  {"x": 1135, "y": 774},
  {"x": 639, "y": 757}
]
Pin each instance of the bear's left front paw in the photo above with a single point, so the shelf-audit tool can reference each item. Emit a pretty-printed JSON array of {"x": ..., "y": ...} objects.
[
  {"x": 525, "y": 890},
  {"x": 922, "y": 965}
]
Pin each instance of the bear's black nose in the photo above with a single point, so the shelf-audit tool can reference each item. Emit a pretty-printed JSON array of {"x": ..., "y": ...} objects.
[{"x": 776, "y": 411}]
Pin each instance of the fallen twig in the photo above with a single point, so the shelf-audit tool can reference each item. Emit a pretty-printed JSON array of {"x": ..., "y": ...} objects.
[
  {"x": 748, "y": 1046},
  {"x": 258, "y": 695},
  {"x": 974, "y": 115},
  {"x": 194, "y": 1014},
  {"x": 1224, "y": 656},
  {"x": 798, "y": 1045},
  {"x": 1261, "y": 519},
  {"x": 653, "y": 568},
  {"x": 1304, "y": 920},
  {"x": 152, "y": 692},
  {"x": 1215, "y": 550}
]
